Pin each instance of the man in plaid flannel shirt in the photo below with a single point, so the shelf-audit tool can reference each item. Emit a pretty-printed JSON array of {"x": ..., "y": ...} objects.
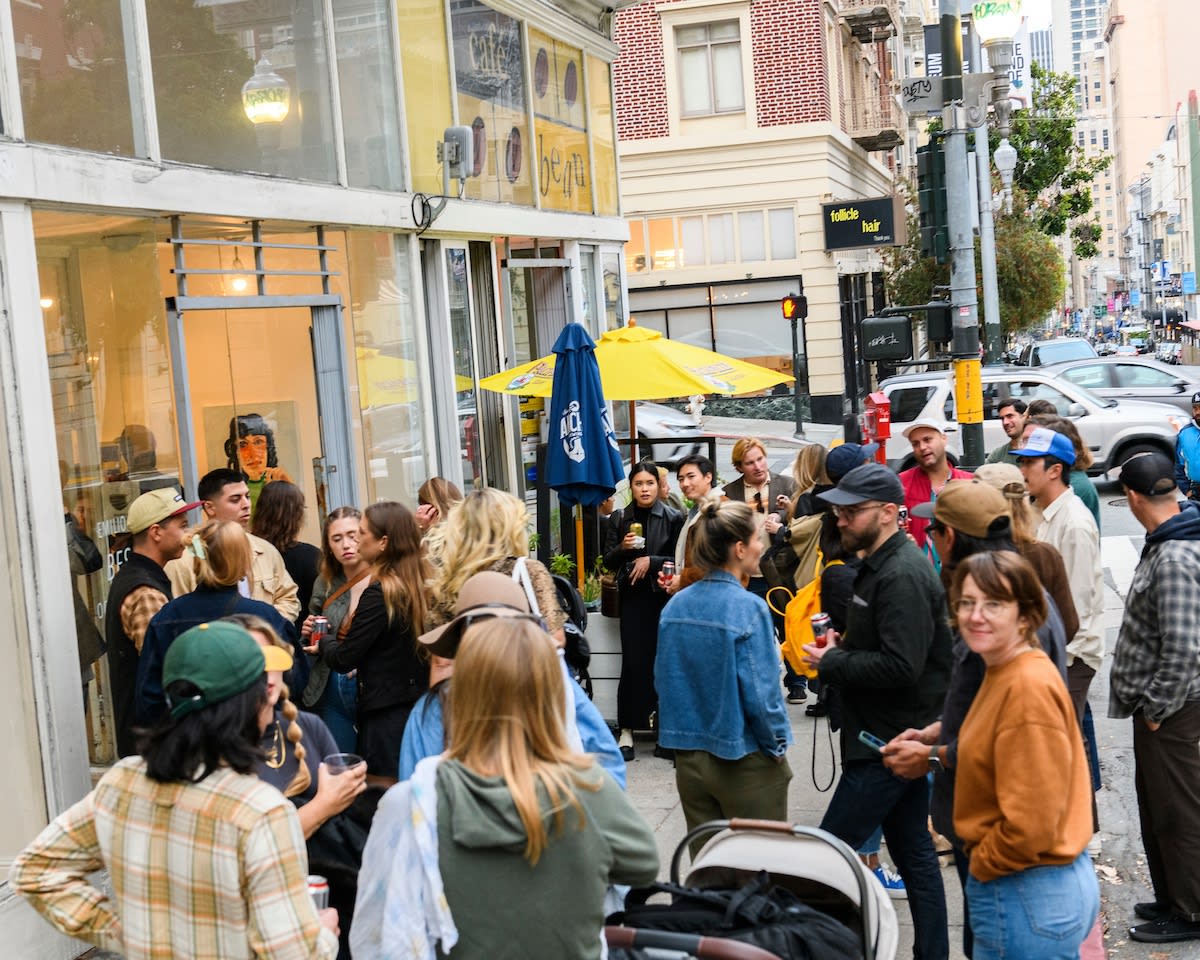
[{"x": 1156, "y": 680}]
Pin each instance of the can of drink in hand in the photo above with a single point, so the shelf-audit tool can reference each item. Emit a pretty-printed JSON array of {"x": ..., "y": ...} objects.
[
  {"x": 639, "y": 540},
  {"x": 320, "y": 629},
  {"x": 821, "y": 625},
  {"x": 318, "y": 889},
  {"x": 635, "y": 529},
  {"x": 665, "y": 573}
]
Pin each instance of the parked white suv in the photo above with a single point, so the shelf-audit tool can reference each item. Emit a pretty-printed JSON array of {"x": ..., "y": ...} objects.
[{"x": 1113, "y": 431}]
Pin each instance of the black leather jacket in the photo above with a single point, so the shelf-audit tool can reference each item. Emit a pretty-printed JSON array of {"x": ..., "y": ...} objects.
[{"x": 661, "y": 531}]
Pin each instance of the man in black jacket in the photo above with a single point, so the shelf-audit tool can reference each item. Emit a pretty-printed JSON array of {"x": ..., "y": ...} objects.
[
  {"x": 140, "y": 589},
  {"x": 891, "y": 668}
]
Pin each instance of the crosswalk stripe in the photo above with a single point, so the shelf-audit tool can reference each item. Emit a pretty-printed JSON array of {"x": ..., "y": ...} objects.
[{"x": 1120, "y": 556}]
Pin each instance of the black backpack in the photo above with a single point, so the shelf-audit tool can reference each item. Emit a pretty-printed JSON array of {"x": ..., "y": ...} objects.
[{"x": 578, "y": 652}]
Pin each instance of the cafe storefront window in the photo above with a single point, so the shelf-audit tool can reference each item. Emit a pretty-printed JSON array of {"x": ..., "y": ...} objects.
[{"x": 490, "y": 80}]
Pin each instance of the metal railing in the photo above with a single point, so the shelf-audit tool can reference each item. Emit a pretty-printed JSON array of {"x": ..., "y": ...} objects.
[{"x": 877, "y": 122}]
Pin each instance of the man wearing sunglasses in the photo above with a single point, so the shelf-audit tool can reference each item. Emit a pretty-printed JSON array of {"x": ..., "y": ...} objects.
[
  {"x": 891, "y": 668},
  {"x": 483, "y": 597}
]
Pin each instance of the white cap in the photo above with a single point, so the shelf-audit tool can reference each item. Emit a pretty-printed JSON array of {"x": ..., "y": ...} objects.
[{"x": 925, "y": 423}]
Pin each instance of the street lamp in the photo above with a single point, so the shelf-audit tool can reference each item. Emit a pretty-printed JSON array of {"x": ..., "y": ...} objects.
[
  {"x": 997, "y": 22},
  {"x": 1006, "y": 164},
  {"x": 266, "y": 96}
]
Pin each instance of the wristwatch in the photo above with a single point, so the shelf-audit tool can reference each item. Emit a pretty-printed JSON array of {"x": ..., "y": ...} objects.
[{"x": 935, "y": 763}]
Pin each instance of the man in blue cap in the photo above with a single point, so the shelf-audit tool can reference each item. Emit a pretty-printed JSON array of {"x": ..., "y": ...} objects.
[
  {"x": 1187, "y": 454},
  {"x": 1068, "y": 526}
]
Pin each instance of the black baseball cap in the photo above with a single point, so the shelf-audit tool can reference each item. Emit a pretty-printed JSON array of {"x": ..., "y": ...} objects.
[
  {"x": 871, "y": 481},
  {"x": 1195, "y": 399},
  {"x": 1149, "y": 473}
]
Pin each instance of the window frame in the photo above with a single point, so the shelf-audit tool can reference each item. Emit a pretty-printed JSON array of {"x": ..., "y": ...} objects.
[
  {"x": 685, "y": 13},
  {"x": 708, "y": 44}
]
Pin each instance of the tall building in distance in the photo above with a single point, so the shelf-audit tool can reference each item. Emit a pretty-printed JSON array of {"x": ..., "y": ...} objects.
[
  {"x": 1076, "y": 23},
  {"x": 1041, "y": 48}
]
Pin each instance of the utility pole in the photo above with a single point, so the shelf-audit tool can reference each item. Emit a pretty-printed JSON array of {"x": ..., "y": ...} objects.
[{"x": 968, "y": 383}]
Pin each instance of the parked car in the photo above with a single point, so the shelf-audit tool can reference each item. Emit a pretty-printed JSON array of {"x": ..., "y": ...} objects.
[
  {"x": 1106, "y": 348},
  {"x": 1126, "y": 350},
  {"x": 1112, "y": 430},
  {"x": 656, "y": 422},
  {"x": 1168, "y": 352},
  {"x": 1038, "y": 353},
  {"x": 1124, "y": 378}
]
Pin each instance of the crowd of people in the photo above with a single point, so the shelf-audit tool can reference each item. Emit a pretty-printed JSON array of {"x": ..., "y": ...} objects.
[{"x": 392, "y": 708}]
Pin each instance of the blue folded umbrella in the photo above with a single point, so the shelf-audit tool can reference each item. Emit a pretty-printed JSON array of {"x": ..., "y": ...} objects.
[{"x": 583, "y": 460}]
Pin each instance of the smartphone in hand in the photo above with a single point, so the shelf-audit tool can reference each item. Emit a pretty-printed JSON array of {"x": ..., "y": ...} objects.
[{"x": 872, "y": 741}]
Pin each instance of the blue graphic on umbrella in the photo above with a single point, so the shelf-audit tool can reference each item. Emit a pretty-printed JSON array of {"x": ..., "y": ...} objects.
[{"x": 583, "y": 461}]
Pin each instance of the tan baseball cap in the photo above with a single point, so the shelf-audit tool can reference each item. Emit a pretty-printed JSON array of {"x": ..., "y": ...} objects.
[
  {"x": 482, "y": 597},
  {"x": 971, "y": 506},
  {"x": 155, "y": 507}
]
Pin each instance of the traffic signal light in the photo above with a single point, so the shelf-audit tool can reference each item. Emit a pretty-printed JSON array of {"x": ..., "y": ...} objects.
[
  {"x": 931, "y": 201},
  {"x": 795, "y": 307},
  {"x": 939, "y": 323}
]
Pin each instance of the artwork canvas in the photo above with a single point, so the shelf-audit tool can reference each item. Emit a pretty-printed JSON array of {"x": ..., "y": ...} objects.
[{"x": 276, "y": 450}]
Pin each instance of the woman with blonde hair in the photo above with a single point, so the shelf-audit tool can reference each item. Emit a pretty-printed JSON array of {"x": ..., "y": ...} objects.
[
  {"x": 808, "y": 470},
  {"x": 381, "y": 641},
  {"x": 221, "y": 555},
  {"x": 508, "y": 807},
  {"x": 436, "y": 497},
  {"x": 489, "y": 530}
]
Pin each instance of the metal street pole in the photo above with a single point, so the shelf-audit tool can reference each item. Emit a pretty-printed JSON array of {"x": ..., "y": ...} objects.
[
  {"x": 968, "y": 384},
  {"x": 987, "y": 250},
  {"x": 799, "y": 434}
]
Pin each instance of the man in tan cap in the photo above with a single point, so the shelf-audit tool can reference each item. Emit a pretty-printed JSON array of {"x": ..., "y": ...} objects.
[{"x": 140, "y": 589}]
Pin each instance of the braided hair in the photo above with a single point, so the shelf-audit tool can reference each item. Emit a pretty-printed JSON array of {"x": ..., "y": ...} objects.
[{"x": 256, "y": 627}]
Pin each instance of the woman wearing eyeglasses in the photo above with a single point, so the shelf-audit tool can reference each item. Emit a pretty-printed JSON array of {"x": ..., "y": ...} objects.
[{"x": 1022, "y": 802}]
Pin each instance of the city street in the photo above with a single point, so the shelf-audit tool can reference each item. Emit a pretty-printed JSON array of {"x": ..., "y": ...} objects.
[{"x": 1121, "y": 866}]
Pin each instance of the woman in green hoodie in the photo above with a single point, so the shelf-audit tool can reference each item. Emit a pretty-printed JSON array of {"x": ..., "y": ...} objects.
[{"x": 529, "y": 834}]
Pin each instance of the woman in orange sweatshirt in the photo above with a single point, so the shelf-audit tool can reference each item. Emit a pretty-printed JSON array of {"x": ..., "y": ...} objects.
[{"x": 1022, "y": 798}]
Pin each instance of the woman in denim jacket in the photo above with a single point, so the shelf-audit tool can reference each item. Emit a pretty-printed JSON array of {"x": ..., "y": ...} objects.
[{"x": 717, "y": 674}]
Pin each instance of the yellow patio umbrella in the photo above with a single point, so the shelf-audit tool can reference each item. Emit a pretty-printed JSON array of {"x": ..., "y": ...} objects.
[
  {"x": 637, "y": 363},
  {"x": 384, "y": 379}
]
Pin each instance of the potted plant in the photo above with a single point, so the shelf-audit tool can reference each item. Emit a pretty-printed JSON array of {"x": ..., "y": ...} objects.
[
  {"x": 591, "y": 592},
  {"x": 563, "y": 564}
]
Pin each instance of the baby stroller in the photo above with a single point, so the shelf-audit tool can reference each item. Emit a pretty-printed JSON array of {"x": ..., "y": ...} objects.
[{"x": 822, "y": 872}]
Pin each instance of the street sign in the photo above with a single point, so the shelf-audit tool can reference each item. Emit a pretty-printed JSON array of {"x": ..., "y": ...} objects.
[
  {"x": 1163, "y": 270},
  {"x": 1189, "y": 282},
  {"x": 922, "y": 95},
  {"x": 1135, "y": 298}
]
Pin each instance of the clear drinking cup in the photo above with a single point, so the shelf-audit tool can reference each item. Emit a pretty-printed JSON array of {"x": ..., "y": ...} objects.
[{"x": 339, "y": 763}]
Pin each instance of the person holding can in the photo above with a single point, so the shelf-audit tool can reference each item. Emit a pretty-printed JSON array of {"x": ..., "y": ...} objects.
[
  {"x": 640, "y": 538},
  {"x": 344, "y": 576}
]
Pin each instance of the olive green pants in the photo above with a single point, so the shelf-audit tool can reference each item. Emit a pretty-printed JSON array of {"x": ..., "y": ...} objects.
[{"x": 753, "y": 787}]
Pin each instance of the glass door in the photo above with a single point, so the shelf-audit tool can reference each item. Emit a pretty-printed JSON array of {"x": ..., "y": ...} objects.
[{"x": 261, "y": 397}]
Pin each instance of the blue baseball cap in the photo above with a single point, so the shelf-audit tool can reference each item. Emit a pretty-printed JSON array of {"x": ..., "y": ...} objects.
[
  {"x": 845, "y": 457},
  {"x": 1044, "y": 442}
]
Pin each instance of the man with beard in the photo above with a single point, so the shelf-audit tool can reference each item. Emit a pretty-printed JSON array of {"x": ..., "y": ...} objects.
[
  {"x": 1187, "y": 454},
  {"x": 924, "y": 482},
  {"x": 891, "y": 668},
  {"x": 1012, "y": 421}
]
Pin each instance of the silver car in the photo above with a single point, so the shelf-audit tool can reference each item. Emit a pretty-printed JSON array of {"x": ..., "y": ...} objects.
[
  {"x": 1113, "y": 431},
  {"x": 1132, "y": 378}
]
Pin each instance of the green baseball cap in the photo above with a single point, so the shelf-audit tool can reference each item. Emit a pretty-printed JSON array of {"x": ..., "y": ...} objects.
[{"x": 219, "y": 658}]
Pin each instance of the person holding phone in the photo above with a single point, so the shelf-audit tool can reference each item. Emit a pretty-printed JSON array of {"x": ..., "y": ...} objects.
[{"x": 1022, "y": 798}]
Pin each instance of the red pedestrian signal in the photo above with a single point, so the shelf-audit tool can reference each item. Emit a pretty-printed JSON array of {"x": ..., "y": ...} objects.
[{"x": 795, "y": 307}]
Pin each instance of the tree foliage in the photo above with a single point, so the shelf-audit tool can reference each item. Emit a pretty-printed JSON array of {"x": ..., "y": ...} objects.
[
  {"x": 1052, "y": 168},
  {"x": 1029, "y": 271}
]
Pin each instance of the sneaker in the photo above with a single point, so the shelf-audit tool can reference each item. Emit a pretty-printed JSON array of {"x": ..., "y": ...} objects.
[
  {"x": 1169, "y": 930},
  {"x": 817, "y": 709},
  {"x": 891, "y": 882},
  {"x": 797, "y": 693},
  {"x": 1152, "y": 910}
]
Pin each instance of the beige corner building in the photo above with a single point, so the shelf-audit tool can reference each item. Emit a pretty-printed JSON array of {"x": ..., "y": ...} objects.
[{"x": 736, "y": 121}]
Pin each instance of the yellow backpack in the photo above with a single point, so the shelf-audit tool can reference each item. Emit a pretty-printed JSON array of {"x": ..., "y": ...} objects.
[{"x": 797, "y": 617}]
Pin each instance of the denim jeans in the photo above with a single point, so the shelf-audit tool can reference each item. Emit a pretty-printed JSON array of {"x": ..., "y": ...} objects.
[
  {"x": 337, "y": 708},
  {"x": 1043, "y": 913},
  {"x": 868, "y": 795}
]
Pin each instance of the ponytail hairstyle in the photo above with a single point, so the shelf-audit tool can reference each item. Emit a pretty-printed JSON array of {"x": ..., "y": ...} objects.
[
  {"x": 258, "y": 627},
  {"x": 221, "y": 553},
  {"x": 721, "y": 524}
]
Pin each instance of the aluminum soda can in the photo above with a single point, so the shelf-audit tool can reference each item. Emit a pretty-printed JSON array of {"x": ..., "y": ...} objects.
[
  {"x": 318, "y": 889},
  {"x": 320, "y": 629},
  {"x": 821, "y": 625},
  {"x": 635, "y": 529}
]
